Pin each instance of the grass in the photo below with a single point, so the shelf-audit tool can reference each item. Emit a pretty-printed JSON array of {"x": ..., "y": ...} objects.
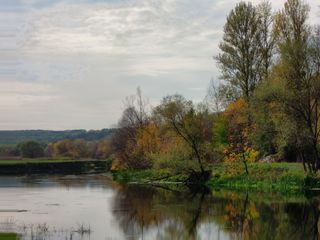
[
  {"x": 266, "y": 177},
  {"x": 262, "y": 176},
  {"x": 147, "y": 176},
  {"x": 9, "y": 236}
]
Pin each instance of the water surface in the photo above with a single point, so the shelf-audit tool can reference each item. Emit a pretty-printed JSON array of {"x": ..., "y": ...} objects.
[{"x": 95, "y": 208}]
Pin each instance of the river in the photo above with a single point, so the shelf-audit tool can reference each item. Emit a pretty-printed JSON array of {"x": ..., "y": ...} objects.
[{"x": 96, "y": 208}]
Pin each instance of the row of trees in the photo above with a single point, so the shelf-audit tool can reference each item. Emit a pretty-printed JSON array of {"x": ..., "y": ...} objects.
[
  {"x": 171, "y": 136},
  {"x": 272, "y": 63},
  {"x": 80, "y": 148},
  {"x": 13, "y": 137},
  {"x": 267, "y": 102},
  {"x": 74, "y": 149}
]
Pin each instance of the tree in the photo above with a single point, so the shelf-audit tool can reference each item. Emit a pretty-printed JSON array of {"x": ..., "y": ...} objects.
[
  {"x": 219, "y": 96},
  {"x": 264, "y": 134},
  {"x": 136, "y": 110},
  {"x": 240, "y": 60},
  {"x": 148, "y": 139},
  {"x": 9, "y": 151},
  {"x": 238, "y": 134},
  {"x": 267, "y": 38},
  {"x": 291, "y": 27},
  {"x": 79, "y": 149},
  {"x": 103, "y": 149},
  {"x": 31, "y": 149},
  {"x": 62, "y": 148},
  {"x": 298, "y": 75},
  {"x": 124, "y": 140},
  {"x": 194, "y": 126}
]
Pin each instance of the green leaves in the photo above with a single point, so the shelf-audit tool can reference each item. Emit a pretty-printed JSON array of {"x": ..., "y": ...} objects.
[{"x": 246, "y": 48}]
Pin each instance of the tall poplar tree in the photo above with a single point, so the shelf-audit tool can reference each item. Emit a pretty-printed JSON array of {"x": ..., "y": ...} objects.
[{"x": 240, "y": 57}]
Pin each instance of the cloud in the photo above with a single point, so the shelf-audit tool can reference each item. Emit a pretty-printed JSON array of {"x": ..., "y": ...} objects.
[
  {"x": 145, "y": 28},
  {"x": 69, "y": 63}
]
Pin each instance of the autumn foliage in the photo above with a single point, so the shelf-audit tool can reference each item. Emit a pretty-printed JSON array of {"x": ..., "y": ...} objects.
[{"x": 239, "y": 128}]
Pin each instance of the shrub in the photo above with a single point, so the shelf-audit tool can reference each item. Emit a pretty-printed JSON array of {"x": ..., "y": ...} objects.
[{"x": 31, "y": 149}]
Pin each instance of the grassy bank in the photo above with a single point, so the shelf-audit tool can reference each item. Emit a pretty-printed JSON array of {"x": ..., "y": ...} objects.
[
  {"x": 52, "y": 166},
  {"x": 262, "y": 176},
  {"x": 147, "y": 176}
]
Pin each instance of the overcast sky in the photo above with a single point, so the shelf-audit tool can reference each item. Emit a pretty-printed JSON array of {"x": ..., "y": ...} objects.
[{"x": 68, "y": 64}]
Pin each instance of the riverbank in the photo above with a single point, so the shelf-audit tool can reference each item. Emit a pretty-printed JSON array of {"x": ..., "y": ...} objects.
[
  {"x": 262, "y": 176},
  {"x": 53, "y": 166},
  {"x": 148, "y": 176},
  {"x": 266, "y": 177}
]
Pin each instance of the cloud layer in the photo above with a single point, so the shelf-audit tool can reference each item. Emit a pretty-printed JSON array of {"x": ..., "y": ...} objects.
[{"x": 69, "y": 64}]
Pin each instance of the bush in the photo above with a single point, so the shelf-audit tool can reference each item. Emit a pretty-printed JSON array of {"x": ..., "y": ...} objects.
[
  {"x": 178, "y": 159},
  {"x": 31, "y": 149}
]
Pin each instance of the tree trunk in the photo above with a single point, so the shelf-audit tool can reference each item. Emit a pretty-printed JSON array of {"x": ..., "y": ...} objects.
[
  {"x": 198, "y": 157},
  {"x": 245, "y": 164},
  {"x": 246, "y": 167},
  {"x": 316, "y": 155}
]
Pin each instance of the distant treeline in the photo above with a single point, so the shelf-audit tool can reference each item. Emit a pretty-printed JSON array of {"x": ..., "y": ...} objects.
[
  {"x": 62, "y": 149},
  {"x": 46, "y": 136}
]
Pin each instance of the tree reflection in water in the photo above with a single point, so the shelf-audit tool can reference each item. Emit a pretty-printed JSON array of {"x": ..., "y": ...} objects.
[
  {"x": 171, "y": 212},
  {"x": 161, "y": 212}
]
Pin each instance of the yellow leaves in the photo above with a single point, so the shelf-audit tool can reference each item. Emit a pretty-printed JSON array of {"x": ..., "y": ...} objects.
[
  {"x": 103, "y": 148},
  {"x": 236, "y": 105},
  {"x": 151, "y": 140},
  {"x": 230, "y": 156},
  {"x": 240, "y": 129},
  {"x": 148, "y": 139},
  {"x": 61, "y": 148},
  {"x": 249, "y": 155},
  {"x": 117, "y": 164},
  {"x": 236, "y": 111}
]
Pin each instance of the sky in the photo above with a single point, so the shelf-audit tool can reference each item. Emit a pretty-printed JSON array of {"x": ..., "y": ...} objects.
[{"x": 69, "y": 64}]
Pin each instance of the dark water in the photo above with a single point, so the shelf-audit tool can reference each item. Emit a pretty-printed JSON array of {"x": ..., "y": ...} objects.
[{"x": 93, "y": 207}]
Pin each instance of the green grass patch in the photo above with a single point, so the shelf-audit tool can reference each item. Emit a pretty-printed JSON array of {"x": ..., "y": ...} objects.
[
  {"x": 9, "y": 236},
  {"x": 262, "y": 176},
  {"x": 265, "y": 177},
  {"x": 147, "y": 176}
]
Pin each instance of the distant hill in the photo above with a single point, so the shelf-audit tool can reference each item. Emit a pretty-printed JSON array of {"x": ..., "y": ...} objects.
[{"x": 46, "y": 136}]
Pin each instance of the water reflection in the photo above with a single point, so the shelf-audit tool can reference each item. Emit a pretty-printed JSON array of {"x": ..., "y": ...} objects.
[
  {"x": 157, "y": 213},
  {"x": 93, "y": 207}
]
